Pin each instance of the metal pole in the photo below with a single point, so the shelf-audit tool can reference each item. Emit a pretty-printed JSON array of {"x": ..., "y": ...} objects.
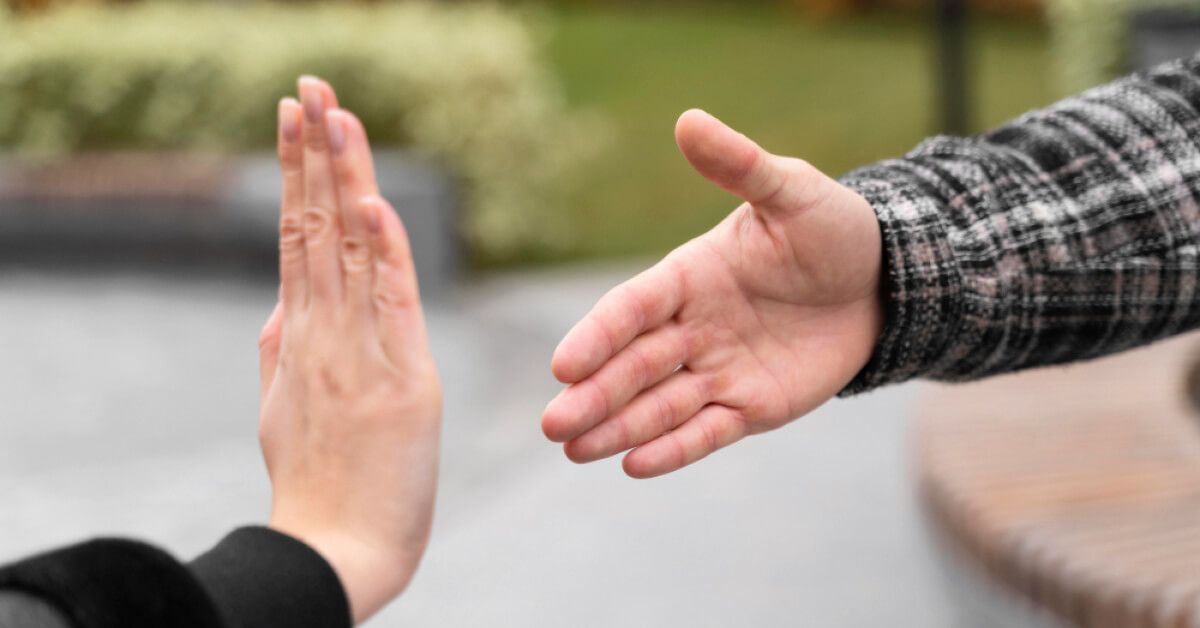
[{"x": 952, "y": 67}]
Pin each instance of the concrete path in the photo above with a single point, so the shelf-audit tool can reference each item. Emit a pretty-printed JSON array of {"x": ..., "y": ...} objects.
[{"x": 128, "y": 406}]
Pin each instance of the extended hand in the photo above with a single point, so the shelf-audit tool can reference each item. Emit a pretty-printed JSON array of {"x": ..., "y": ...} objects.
[
  {"x": 739, "y": 331},
  {"x": 351, "y": 403}
]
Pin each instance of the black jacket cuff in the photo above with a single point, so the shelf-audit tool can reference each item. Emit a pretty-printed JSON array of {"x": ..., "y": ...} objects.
[{"x": 260, "y": 577}]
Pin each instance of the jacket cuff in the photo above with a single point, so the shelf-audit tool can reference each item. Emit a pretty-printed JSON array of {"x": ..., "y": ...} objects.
[
  {"x": 260, "y": 577},
  {"x": 113, "y": 583},
  {"x": 922, "y": 282}
]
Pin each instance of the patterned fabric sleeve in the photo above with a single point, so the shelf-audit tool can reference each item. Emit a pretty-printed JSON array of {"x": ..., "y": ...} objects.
[{"x": 1067, "y": 234}]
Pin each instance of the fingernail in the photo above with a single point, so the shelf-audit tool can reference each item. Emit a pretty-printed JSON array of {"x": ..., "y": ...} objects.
[
  {"x": 335, "y": 128},
  {"x": 310, "y": 95},
  {"x": 288, "y": 127}
]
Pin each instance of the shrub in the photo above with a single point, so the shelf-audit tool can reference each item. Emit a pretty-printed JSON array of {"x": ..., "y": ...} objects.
[
  {"x": 1089, "y": 38},
  {"x": 463, "y": 84}
]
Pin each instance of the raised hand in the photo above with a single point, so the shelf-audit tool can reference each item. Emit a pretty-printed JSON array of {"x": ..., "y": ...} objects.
[
  {"x": 351, "y": 402},
  {"x": 739, "y": 331}
]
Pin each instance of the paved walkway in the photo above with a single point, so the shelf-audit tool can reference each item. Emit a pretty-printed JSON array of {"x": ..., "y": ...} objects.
[{"x": 128, "y": 406}]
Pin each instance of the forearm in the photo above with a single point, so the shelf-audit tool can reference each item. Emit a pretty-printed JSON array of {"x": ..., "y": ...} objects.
[{"x": 1067, "y": 234}]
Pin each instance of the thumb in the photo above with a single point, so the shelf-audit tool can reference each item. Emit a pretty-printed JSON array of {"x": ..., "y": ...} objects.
[{"x": 734, "y": 162}]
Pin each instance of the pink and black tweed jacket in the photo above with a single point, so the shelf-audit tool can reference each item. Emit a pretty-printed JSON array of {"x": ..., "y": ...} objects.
[{"x": 1066, "y": 234}]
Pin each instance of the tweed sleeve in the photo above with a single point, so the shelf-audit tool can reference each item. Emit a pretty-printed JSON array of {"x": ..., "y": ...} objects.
[{"x": 1067, "y": 234}]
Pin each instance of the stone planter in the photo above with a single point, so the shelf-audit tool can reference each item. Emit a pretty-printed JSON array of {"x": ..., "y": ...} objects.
[{"x": 170, "y": 209}]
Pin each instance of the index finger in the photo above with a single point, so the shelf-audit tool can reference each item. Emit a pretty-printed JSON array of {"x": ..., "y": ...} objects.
[{"x": 636, "y": 306}]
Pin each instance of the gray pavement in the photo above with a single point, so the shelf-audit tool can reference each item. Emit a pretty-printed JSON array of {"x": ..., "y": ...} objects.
[{"x": 128, "y": 406}]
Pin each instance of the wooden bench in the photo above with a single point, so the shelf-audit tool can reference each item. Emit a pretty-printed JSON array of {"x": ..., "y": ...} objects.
[{"x": 1076, "y": 488}]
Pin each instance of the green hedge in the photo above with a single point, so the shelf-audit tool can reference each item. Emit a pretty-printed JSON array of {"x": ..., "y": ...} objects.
[
  {"x": 464, "y": 84},
  {"x": 1090, "y": 38}
]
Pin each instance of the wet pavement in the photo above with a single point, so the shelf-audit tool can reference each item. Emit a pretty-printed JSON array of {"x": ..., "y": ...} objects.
[{"x": 128, "y": 406}]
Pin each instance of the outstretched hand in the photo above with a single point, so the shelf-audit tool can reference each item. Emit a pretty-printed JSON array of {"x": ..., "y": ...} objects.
[
  {"x": 739, "y": 331},
  {"x": 351, "y": 402}
]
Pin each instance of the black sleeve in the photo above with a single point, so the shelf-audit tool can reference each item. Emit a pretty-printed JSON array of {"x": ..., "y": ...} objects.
[
  {"x": 254, "y": 577},
  {"x": 260, "y": 577},
  {"x": 114, "y": 583}
]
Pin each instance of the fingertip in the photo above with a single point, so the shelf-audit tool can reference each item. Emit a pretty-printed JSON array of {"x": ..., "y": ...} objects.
[
  {"x": 577, "y": 355},
  {"x": 335, "y": 130},
  {"x": 693, "y": 125},
  {"x": 353, "y": 124},
  {"x": 290, "y": 114},
  {"x": 563, "y": 367},
  {"x": 312, "y": 98},
  {"x": 561, "y": 419},
  {"x": 715, "y": 150},
  {"x": 689, "y": 121},
  {"x": 373, "y": 217},
  {"x": 554, "y": 426},
  {"x": 574, "y": 453},
  {"x": 635, "y": 466},
  {"x": 378, "y": 204}
]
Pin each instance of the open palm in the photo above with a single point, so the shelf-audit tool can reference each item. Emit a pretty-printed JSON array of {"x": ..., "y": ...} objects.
[{"x": 739, "y": 331}]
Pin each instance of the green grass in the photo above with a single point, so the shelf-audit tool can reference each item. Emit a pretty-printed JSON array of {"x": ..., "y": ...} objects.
[{"x": 839, "y": 93}]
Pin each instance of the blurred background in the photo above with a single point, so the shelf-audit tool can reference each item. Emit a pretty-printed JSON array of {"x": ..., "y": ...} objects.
[{"x": 529, "y": 149}]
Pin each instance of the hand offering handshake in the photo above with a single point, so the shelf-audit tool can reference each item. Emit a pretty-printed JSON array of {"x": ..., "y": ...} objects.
[
  {"x": 351, "y": 402},
  {"x": 739, "y": 331}
]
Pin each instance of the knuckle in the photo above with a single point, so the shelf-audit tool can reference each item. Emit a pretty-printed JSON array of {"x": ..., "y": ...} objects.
[
  {"x": 599, "y": 399},
  {"x": 356, "y": 255},
  {"x": 639, "y": 368},
  {"x": 390, "y": 297},
  {"x": 679, "y": 452},
  {"x": 291, "y": 233},
  {"x": 637, "y": 304},
  {"x": 742, "y": 425},
  {"x": 347, "y": 175},
  {"x": 664, "y": 412},
  {"x": 329, "y": 380},
  {"x": 314, "y": 139},
  {"x": 318, "y": 221},
  {"x": 708, "y": 437},
  {"x": 289, "y": 159},
  {"x": 624, "y": 435},
  {"x": 802, "y": 167}
]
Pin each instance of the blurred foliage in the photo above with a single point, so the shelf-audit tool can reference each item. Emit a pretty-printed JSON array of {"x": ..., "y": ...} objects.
[
  {"x": 997, "y": 7},
  {"x": 463, "y": 84},
  {"x": 839, "y": 91},
  {"x": 818, "y": 7},
  {"x": 1090, "y": 38}
]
